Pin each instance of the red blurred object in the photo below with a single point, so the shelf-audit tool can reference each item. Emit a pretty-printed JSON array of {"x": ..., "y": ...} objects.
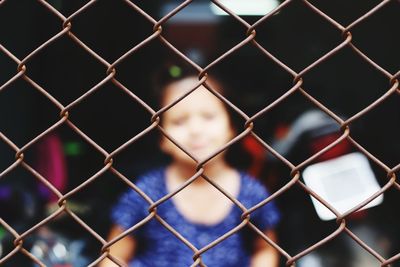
[
  {"x": 51, "y": 164},
  {"x": 258, "y": 154},
  {"x": 340, "y": 149}
]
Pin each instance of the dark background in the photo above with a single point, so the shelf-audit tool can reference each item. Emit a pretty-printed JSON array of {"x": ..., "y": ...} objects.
[{"x": 345, "y": 83}]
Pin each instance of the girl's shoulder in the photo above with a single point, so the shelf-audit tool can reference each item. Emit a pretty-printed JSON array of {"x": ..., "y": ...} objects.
[
  {"x": 151, "y": 175},
  {"x": 151, "y": 182},
  {"x": 251, "y": 183},
  {"x": 252, "y": 190}
]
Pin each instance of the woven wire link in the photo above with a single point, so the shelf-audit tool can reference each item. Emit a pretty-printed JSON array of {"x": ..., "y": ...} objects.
[{"x": 111, "y": 68}]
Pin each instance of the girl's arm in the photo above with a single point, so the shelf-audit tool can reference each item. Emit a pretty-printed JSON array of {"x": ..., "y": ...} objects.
[
  {"x": 124, "y": 249},
  {"x": 265, "y": 255}
]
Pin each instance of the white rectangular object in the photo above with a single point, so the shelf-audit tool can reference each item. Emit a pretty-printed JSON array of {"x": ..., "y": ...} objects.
[
  {"x": 344, "y": 182},
  {"x": 246, "y": 7}
]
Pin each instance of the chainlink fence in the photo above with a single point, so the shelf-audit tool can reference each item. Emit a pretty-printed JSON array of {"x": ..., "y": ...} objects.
[{"x": 109, "y": 76}]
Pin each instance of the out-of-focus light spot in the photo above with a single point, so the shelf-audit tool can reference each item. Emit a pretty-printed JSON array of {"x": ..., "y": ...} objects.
[
  {"x": 72, "y": 149},
  {"x": 175, "y": 71},
  {"x": 60, "y": 251},
  {"x": 38, "y": 251}
]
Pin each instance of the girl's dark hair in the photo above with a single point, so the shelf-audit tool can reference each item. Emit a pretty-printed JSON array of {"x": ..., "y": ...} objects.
[
  {"x": 236, "y": 155},
  {"x": 167, "y": 75}
]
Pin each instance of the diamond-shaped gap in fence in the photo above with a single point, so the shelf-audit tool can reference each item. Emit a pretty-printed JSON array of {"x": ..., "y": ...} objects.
[
  {"x": 197, "y": 41},
  {"x": 378, "y": 130},
  {"x": 64, "y": 158},
  {"x": 347, "y": 13},
  {"x": 287, "y": 125},
  {"x": 376, "y": 37},
  {"x": 141, "y": 155},
  {"x": 67, "y": 8},
  {"x": 271, "y": 169},
  {"x": 8, "y": 67},
  {"x": 258, "y": 80},
  {"x": 195, "y": 31},
  {"x": 25, "y": 199},
  {"x": 25, "y": 112},
  {"x": 33, "y": 27},
  {"x": 297, "y": 36},
  {"x": 111, "y": 28},
  {"x": 204, "y": 40},
  {"x": 201, "y": 123},
  {"x": 149, "y": 68},
  {"x": 110, "y": 117},
  {"x": 341, "y": 79},
  {"x": 65, "y": 70}
]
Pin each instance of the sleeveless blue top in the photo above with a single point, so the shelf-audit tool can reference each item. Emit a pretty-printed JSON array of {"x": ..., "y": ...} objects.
[{"x": 157, "y": 247}]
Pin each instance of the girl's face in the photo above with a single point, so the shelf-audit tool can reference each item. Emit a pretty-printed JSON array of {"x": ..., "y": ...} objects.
[{"x": 200, "y": 122}]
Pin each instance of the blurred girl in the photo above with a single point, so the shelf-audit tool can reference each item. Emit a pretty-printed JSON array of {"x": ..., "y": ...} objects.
[{"x": 201, "y": 124}]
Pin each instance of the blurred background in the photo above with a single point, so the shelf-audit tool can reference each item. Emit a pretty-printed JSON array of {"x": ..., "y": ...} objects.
[{"x": 344, "y": 83}]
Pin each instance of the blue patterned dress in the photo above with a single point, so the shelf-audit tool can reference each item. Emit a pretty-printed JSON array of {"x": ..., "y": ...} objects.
[{"x": 157, "y": 247}]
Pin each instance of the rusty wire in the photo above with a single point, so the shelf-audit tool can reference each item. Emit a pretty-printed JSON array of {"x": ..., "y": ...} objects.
[{"x": 249, "y": 37}]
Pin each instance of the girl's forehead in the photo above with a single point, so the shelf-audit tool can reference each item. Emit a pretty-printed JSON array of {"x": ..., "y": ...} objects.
[
  {"x": 201, "y": 99},
  {"x": 179, "y": 88}
]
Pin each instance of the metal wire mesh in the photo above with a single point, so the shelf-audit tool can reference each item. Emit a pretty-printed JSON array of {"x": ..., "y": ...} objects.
[{"x": 110, "y": 77}]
